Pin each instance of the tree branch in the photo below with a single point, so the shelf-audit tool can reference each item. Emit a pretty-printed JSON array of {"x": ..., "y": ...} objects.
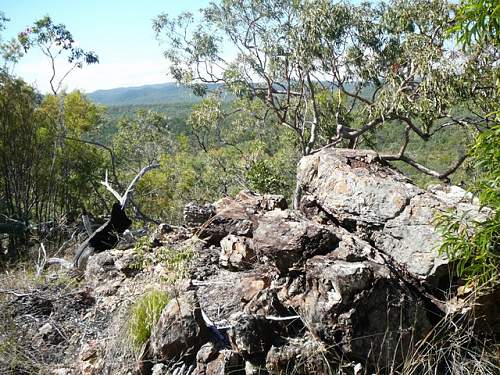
[{"x": 422, "y": 168}]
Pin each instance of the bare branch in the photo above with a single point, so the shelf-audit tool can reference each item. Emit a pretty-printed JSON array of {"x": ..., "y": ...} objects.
[
  {"x": 422, "y": 168},
  {"x": 126, "y": 196},
  {"x": 106, "y": 184}
]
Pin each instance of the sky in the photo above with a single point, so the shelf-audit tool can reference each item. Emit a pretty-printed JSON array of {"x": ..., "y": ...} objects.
[{"x": 119, "y": 31}]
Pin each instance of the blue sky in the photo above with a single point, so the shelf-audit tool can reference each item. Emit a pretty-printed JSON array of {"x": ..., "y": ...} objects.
[{"x": 119, "y": 31}]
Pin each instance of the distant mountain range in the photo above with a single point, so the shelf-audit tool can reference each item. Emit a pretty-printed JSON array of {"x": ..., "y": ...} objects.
[
  {"x": 142, "y": 95},
  {"x": 164, "y": 93}
]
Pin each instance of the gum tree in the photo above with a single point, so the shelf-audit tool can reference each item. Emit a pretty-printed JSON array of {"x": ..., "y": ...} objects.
[
  {"x": 55, "y": 40},
  {"x": 334, "y": 73}
]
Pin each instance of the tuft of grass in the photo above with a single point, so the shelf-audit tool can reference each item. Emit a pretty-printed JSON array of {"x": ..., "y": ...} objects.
[{"x": 144, "y": 315}]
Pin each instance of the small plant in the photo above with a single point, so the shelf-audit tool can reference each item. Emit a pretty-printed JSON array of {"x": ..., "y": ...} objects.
[
  {"x": 176, "y": 261},
  {"x": 141, "y": 248},
  {"x": 144, "y": 315}
]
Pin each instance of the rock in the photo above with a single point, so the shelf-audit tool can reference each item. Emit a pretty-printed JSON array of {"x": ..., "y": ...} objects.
[
  {"x": 127, "y": 263},
  {"x": 157, "y": 238},
  {"x": 238, "y": 216},
  {"x": 287, "y": 238},
  {"x": 211, "y": 361},
  {"x": 89, "y": 350},
  {"x": 62, "y": 371},
  {"x": 365, "y": 196},
  {"x": 247, "y": 202},
  {"x": 101, "y": 267},
  {"x": 412, "y": 240},
  {"x": 46, "y": 329},
  {"x": 178, "y": 332},
  {"x": 298, "y": 355},
  {"x": 236, "y": 252},
  {"x": 359, "y": 306},
  {"x": 251, "y": 336},
  {"x": 253, "y": 369},
  {"x": 105, "y": 269},
  {"x": 90, "y": 360},
  {"x": 251, "y": 285},
  {"x": 47, "y": 334},
  {"x": 196, "y": 215},
  {"x": 159, "y": 369},
  {"x": 355, "y": 186}
]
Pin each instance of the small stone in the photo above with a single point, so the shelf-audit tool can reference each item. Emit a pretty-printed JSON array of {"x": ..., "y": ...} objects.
[
  {"x": 159, "y": 369},
  {"x": 237, "y": 252}
]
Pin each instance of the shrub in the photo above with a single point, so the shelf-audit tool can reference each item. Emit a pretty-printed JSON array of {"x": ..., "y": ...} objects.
[
  {"x": 475, "y": 245},
  {"x": 177, "y": 261},
  {"x": 143, "y": 248},
  {"x": 144, "y": 315}
]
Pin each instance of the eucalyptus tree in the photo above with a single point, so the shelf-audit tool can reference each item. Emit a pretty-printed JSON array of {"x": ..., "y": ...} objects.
[
  {"x": 474, "y": 245},
  {"x": 57, "y": 43},
  {"x": 54, "y": 41},
  {"x": 43, "y": 178},
  {"x": 333, "y": 73},
  {"x": 10, "y": 51}
]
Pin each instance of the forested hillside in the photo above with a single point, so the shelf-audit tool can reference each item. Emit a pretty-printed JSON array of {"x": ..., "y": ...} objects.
[{"x": 144, "y": 95}]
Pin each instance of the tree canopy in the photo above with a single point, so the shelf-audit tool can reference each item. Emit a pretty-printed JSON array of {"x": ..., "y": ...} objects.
[{"x": 351, "y": 70}]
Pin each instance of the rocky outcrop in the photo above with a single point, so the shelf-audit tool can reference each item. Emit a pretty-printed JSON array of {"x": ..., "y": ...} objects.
[
  {"x": 366, "y": 196},
  {"x": 357, "y": 269},
  {"x": 351, "y": 280}
]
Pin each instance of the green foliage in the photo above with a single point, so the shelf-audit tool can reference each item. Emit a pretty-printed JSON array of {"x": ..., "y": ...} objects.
[
  {"x": 55, "y": 40},
  {"x": 10, "y": 51},
  {"x": 141, "y": 140},
  {"x": 477, "y": 21},
  {"x": 144, "y": 314},
  {"x": 142, "y": 248},
  {"x": 176, "y": 261},
  {"x": 264, "y": 179},
  {"x": 352, "y": 71},
  {"x": 46, "y": 172},
  {"x": 475, "y": 244},
  {"x": 208, "y": 155}
]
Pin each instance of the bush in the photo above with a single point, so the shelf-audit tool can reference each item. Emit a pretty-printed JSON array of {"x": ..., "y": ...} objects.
[
  {"x": 475, "y": 245},
  {"x": 177, "y": 262},
  {"x": 144, "y": 315}
]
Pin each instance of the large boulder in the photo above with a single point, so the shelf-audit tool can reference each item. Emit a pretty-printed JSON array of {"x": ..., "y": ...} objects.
[
  {"x": 361, "y": 306},
  {"x": 355, "y": 186},
  {"x": 367, "y": 197}
]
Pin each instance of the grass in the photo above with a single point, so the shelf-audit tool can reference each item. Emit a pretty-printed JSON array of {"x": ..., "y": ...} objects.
[{"x": 144, "y": 315}]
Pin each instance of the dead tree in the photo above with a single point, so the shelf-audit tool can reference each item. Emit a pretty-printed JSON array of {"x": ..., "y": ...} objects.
[{"x": 108, "y": 234}]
